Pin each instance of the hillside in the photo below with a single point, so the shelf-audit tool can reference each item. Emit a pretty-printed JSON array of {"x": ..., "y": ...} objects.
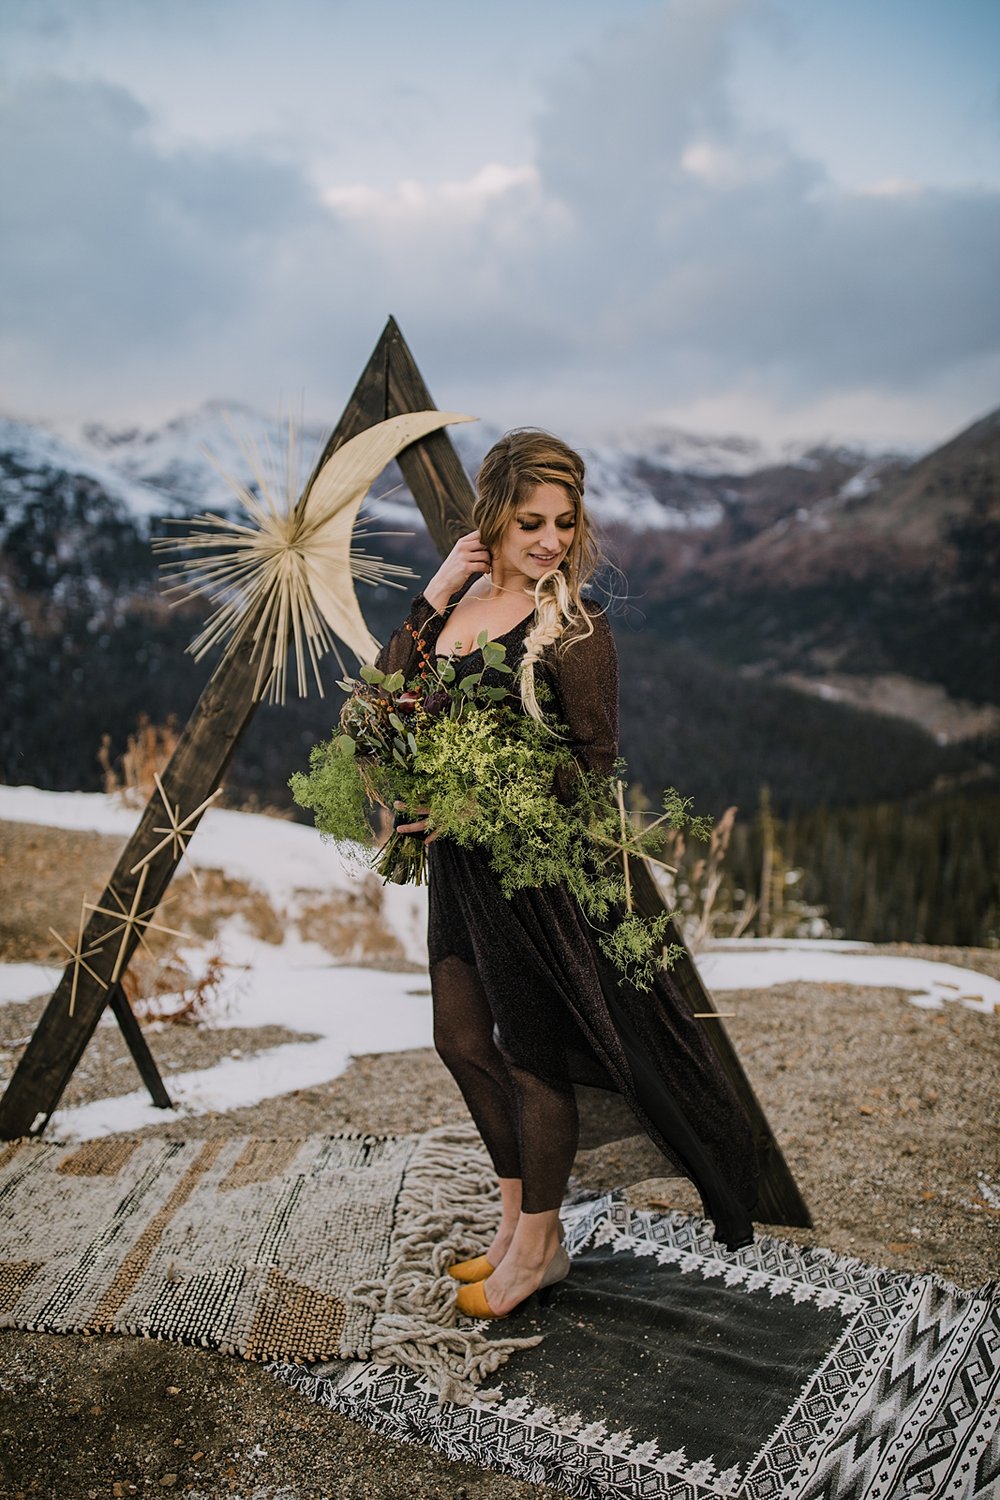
[
  {"x": 866, "y": 576},
  {"x": 775, "y": 629}
]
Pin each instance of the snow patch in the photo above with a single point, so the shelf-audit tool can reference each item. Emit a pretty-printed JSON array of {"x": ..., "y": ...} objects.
[
  {"x": 759, "y": 963},
  {"x": 287, "y": 862},
  {"x": 351, "y": 1010}
]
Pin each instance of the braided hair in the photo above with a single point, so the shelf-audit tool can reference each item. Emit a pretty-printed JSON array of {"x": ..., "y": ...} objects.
[{"x": 522, "y": 459}]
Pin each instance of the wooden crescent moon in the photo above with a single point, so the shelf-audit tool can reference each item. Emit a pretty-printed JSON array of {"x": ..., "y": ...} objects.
[{"x": 330, "y": 510}]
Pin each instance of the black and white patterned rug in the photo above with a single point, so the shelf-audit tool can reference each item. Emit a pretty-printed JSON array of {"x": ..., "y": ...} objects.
[{"x": 672, "y": 1367}]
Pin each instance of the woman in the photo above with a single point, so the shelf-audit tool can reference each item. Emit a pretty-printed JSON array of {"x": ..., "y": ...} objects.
[{"x": 525, "y": 1004}]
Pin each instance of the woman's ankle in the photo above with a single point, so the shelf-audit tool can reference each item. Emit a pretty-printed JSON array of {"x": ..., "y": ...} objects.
[
  {"x": 501, "y": 1243},
  {"x": 537, "y": 1238}
]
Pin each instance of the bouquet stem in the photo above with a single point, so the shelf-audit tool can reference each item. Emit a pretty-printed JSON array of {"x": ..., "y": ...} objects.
[{"x": 402, "y": 860}]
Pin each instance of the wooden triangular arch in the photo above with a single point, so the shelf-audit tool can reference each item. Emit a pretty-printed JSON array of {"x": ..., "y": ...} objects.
[{"x": 390, "y": 386}]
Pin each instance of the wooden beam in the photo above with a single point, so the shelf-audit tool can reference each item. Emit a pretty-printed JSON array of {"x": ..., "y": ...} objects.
[
  {"x": 431, "y": 468},
  {"x": 139, "y": 1048},
  {"x": 196, "y": 768},
  {"x": 210, "y": 737}
]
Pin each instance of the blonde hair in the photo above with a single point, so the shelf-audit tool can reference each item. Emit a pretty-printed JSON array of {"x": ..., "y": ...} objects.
[{"x": 513, "y": 467}]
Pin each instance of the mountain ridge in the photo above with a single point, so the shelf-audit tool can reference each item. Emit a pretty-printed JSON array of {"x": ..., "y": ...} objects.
[{"x": 774, "y": 580}]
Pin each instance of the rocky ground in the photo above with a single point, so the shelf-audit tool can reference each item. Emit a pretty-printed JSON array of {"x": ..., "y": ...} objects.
[{"x": 885, "y": 1113}]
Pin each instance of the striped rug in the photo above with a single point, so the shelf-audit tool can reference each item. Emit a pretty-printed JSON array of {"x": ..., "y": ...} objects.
[{"x": 324, "y": 1247}]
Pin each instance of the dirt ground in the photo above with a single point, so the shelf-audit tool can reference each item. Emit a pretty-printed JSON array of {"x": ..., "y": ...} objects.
[{"x": 885, "y": 1113}]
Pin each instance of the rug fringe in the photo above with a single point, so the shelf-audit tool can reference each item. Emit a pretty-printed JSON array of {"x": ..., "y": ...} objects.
[{"x": 447, "y": 1209}]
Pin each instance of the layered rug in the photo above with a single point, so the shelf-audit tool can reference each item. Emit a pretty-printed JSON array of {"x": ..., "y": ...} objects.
[
  {"x": 664, "y": 1366},
  {"x": 327, "y": 1247},
  {"x": 672, "y": 1367}
]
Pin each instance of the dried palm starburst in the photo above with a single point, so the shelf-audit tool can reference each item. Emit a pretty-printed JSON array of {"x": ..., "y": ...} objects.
[{"x": 288, "y": 572}]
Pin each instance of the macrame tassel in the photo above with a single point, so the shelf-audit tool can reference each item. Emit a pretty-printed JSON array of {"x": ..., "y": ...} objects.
[{"x": 447, "y": 1208}]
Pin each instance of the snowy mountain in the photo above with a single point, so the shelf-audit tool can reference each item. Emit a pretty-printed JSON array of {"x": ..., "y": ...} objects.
[
  {"x": 184, "y": 462},
  {"x": 758, "y": 582},
  {"x": 662, "y": 480}
]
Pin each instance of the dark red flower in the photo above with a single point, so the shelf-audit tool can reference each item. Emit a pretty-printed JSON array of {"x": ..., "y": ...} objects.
[{"x": 436, "y": 703}]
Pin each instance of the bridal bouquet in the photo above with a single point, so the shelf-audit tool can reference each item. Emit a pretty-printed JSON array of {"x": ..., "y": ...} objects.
[{"x": 496, "y": 779}]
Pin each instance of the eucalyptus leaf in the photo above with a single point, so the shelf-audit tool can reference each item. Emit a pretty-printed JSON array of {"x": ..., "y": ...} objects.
[{"x": 372, "y": 675}]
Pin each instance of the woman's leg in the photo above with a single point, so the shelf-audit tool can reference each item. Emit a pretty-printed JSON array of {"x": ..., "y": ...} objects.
[
  {"x": 548, "y": 1130},
  {"x": 463, "y": 1039},
  {"x": 529, "y": 1126}
]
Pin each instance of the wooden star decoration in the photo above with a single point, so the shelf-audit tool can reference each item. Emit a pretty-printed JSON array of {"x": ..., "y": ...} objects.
[
  {"x": 178, "y": 834},
  {"x": 133, "y": 920},
  {"x": 78, "y": 958},
  {"x": 627, "y": 844},
  {"x": 127, "y": 920}
]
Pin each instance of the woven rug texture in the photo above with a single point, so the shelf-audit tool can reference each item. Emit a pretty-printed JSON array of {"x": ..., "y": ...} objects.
[
  {"x": 673, "y": 1369},
  {"x": 325, "y": 1247},
  {"x": 665, "y": 1366}
]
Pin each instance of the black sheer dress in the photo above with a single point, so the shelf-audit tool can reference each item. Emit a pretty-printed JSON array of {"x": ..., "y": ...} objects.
[{"x": 526, "y": 1004}]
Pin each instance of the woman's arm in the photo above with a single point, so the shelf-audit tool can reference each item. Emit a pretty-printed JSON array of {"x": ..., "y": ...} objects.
[
  {"x": 399, "y": 654},
  {"x": 428, "y": 609}
]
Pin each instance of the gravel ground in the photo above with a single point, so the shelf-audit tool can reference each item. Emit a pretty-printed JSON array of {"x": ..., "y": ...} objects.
[{"x": 884, "y": 1113}]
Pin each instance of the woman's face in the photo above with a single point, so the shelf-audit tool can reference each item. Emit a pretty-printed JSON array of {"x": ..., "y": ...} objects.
[{"x": 539, "y": 535}]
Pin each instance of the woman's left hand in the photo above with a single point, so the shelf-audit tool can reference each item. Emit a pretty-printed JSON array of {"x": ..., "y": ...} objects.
[{"x": 420, "y": 827}]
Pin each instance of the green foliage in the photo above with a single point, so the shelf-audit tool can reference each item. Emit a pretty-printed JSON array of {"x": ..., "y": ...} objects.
[
  {"x": 636, "y": 947},
  {"x": 499, "y": 781},
  {"x": 334, "y": 792}
]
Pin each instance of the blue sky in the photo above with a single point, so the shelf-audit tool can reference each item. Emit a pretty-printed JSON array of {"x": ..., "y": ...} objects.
[{"x": 776, "y": 217}]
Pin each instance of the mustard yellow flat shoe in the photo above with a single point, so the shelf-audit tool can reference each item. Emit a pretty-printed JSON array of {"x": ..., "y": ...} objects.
[
  {"x": 468, "y": 1271},
  {"x": 472, "y": 1302}
]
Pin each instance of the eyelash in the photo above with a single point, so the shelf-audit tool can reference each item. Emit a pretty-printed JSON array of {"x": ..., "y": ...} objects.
[{"x": 534, "y": 525}]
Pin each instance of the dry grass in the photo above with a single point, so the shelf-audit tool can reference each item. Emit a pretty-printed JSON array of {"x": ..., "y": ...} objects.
[{"x": 147, "y": 751}]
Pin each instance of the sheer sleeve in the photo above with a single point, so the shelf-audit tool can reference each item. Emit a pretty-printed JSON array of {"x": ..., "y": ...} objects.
[
  {"x": 586, "y": 681},
  {"x": 399, "y": 654}
]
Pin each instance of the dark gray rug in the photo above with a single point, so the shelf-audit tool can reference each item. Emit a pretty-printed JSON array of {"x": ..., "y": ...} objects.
[{"x": 671, "y": 1367}]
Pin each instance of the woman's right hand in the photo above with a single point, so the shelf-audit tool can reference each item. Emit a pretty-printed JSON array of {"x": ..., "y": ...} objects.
[
  {"x": 420, "y": 827},
  {"x": 467, "y": 556}
]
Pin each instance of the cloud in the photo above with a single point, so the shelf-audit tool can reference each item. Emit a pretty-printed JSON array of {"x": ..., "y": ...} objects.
[
  {"x": 657, "y": 253},
  {"x": 713, "y": 250},
  {"x": 117, "y": 255}
]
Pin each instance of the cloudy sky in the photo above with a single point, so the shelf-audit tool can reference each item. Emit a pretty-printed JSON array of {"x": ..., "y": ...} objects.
[{"x": 773, "y": 217}]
